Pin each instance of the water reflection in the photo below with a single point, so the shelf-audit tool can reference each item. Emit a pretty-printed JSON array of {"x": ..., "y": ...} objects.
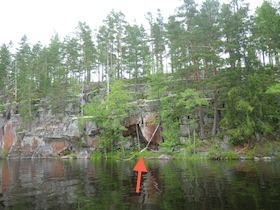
[{"x": 82, "y": 184}]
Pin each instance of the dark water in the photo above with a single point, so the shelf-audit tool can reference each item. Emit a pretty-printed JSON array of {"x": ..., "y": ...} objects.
[{"x": 83, "y": 184}]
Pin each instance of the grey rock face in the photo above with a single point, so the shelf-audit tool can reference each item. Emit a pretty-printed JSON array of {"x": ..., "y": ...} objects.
[{"x": 165, "y": 157}]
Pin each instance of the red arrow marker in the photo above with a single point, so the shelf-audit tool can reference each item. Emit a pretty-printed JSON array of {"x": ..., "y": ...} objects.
[{"x": 140, "y": 167}]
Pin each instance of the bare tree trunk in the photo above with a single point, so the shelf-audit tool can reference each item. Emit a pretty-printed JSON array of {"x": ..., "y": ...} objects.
[
  {"x": 270, "y": 58},
  {"x": 137, "y": 135},
  {"x": 111, "y": 59},
  {"x": 15, "y": 78},
  {"x": 161, "y": 62},
  {"x": 88, "y": 75},
  {"x": 194, "y": 140},
  {"x": 82, "y": 100},
  {"x": 276, "y": 59},
  {"x": 201, "y": 122},
  {"x": 153, "y": 59},
  {"x": 98, "y": 74},
  {"x": 215, "y": 106},
  {"x": 200, "y": 108},
  {"x": 189, "y": 132},
  {"x": 263, "y": 57},
  {"x": 102, "y": 73},
  {"x": 215, "y": 120},
  {"x": 120, "y": 74},
  {"x": 197, "y": 80},
  {"x": 87, "y": 69}
]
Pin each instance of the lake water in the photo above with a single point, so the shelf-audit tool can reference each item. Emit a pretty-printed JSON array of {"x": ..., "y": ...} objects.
[{"x": 85, "y": 184}]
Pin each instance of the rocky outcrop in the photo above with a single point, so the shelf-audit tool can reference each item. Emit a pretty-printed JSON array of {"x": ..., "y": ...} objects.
[
  {"x": 150, "y": 129},
  {"x": 145, "y": 128},
  {"x": 165, "y": 157},
  {"x": 48, "y": 135},
  {"x": 51, "y": 135}
]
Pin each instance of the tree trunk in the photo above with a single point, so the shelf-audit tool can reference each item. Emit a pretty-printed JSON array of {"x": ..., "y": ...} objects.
[
  {"x": 120, "y": 73},
  {"x": 201, "y": 122},
  {"x": 215, "y": 120},
  {"x": 194, "y": 140},
  {"x": 111, "y": 61},
  {"x": 15, "y": 78},
  {"x": 137, "y": 135},
  {"x": 263, "y": 57},
  {"x": 197, "y": 80},
  {"x": 200, "y": 108},
  {"x": 275, "y": 58},
  {"x": 102, "y": 73},
  {"x": 88, "y": 76},
  {"x": 87, "y": 69},
  {"x": 215, "y": 107}
]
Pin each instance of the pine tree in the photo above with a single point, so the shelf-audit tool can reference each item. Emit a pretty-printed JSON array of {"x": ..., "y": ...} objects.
[
  {"x": 71, "y": 56},
  {"x": 136, "y": 52},
  {"x": 25, "y": 79},
  {"x": 245, "y": 82},
  {"x": 177, "y": 44},
  {"x": 210, "y": 50},
  {"x": 5, "y": 66},
  {"x": 88, "y": 51},
  {"x": 157, "y": 39},
  {"x": 266, "y": 31},
  {"x": 102, "y": 52},
  {"x": 190, "y": 20},
  {"x": 110, "y": 37},
  {"x": 235, "y": 23},
  {"x": 58, "y": 75}
]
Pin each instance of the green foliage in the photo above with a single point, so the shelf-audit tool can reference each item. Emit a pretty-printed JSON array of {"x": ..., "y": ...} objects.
[
  {"x": 3, "y": 153},
  {"x": 229, "y": 155},
  {"x": 274, "y": 89},
  {"x": 169, "y": 118},
  {"x": 266, "y": 148},
  {"x": 272, "y": 149},
  {"x": 116, "y": 155},
  {"x": 96, "y": 155},
  {"x": 110, "y": 113},
  {"x": 252, "y": 152},
  {"x": 266, "y": 28},
  {"x": 191, "y": 98},
  {"x": 5, "y": 64},
  {"x": 69, "y": 154},
  {"x": 157, "y": 36},
  {"x": 216, "y": 153},
  {"x": 168, "y": 115},
  {"x": 158, "y": 86},
  {"x": 148, "y": 154},
  {"x": 136, "y": 52},
  {"x": 249, "y": 109},
  {"x": 88, "y": 51}
]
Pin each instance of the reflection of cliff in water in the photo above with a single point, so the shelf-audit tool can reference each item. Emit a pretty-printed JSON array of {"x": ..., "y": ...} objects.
[
  {"x": 220, "y": 185},
  {"x": 151, "y": 188},
  {"x": 83, "y": 184},
  {"x": 41, "y": 183}
]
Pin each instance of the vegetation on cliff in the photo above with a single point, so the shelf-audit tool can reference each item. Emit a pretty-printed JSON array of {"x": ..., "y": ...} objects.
[{"x": 207, "y": 61}]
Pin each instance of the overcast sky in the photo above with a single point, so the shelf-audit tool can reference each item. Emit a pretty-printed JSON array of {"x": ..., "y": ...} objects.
[{"x": 40, "y": 19}]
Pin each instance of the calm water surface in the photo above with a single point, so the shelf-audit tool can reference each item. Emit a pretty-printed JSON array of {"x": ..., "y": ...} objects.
[{"x": 85, "y": 184}]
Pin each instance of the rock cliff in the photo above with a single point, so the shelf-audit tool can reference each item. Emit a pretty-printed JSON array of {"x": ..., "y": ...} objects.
[{"x": 51, "y": 135}]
